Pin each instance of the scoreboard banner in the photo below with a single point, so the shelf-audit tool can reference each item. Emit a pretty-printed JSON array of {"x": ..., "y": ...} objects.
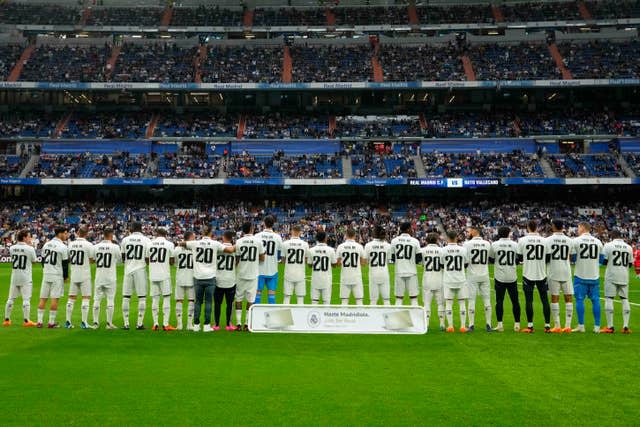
[{"x": 337, "y": 319}]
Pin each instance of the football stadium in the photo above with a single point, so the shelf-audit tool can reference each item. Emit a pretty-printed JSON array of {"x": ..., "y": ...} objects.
[{"x": 319, "y": 212}]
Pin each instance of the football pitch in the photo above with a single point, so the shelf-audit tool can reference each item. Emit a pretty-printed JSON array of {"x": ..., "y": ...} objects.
[{"x": 103, "y": 377}]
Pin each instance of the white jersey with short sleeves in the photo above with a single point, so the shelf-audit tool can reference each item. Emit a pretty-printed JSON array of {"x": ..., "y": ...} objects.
[
  {"x": 133, "y": 248},
  {"x": 107, "y": 255},
  {"x": 377, "y": 253},
  {"x": 619, "y": 256},
  {"x": 160, "y": 251},
  {"x": 559, "y": 248},
  {"x": 454, "y": 258},
  {"x": 273, "y": 248},
  {"x": 432, "y": 264},
  {"x": 184, "y": 266},
  {"x": 404, "y": 250},
  {"x": 226, "y": 267},
  {"x": 205, "y": 256},
  {"x": 350, "y": 253},
  {"x": 505, "y": 254},
  {"x": 295, "y": 252},
  {"x": 321, "y": 258},
  {"x": 248, "y": 250},
  {"x": 532, "y": 247},
  {"x": 588, "y": 250},
  {"x": 478, "y": 252},
  {"x": 22, "y": 258},
  {"x": 80, "y": 255},
  {"x": 53, "y": 253}
]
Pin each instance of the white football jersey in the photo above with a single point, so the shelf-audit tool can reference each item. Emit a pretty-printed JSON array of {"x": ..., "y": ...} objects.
[
  {"x": 559, "y": 249},
  {"x": 453, "y": 258},
  {"x": 295, "y": 252},
  {"x": 505, "y": 254},
  {"x": 478, "y": 251},
  {"x": 80, "y": 255},
  {"x": 378, "y": 252},
  {"x": 159, "y": 251},
  {"x": 273, "y": 248},
  {"x": 588, "y": 250},
  {"x": 350, "y": 253},
  {"x": 133, "y": 248},
  {"x": 248, "y": 250},
  {"x": 205, "y": 256},
  {"x": 432, "y": 264},
  {"x": 619, "y": 256},
  {"x": 184, "y": 266},
  {"x": 532, "y": 247},
  {"x": 404, "y": 249},
  {"x": 107, "y": 255},
  {"x": 321, "y": 258},
  {"x": 53, "y": 253},
  {"x": 226, "y": 268},
  {"x": 22, "y": 258}
]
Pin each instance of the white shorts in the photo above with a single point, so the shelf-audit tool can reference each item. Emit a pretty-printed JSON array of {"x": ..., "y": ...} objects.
[
  {"x": 161, "y": 288},
  {"x": 246, "y": 290},
  {"x": 107, "y": 291},
  {"x": 225, "y": 283},
  {"x": 20, "y": 290},
  {"x": 450, "y": 293},
  {"x": 299, "y": 287},
  {"x": 356, "y": 289},
  {"x": 407, "y": 284},
  {"x": 321, "y": 294},
  {"x": 187, "y": 291},
  {"x": 611, "y": 290},
  {"x": 479, "y": 287},
  {"x": 52, "y": 288},
  {"x": 555, "y": 286},
  {"x": 82, "y": 288},
  {"x": 135, "y": 281},
  {"x": 379, "y": 288}
]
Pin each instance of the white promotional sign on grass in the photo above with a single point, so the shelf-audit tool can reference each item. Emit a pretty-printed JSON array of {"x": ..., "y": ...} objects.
[{"x": 337, "y": 319}]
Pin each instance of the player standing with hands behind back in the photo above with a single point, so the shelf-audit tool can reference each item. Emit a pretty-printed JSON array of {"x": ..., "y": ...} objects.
[
  {"x": 269, "y": 267},
  {"x": 406, "y": 255},
  {"x": 23, "y": 255},
  {"x": 587, "y": 275},
  {"x": 55, "y": 259}
]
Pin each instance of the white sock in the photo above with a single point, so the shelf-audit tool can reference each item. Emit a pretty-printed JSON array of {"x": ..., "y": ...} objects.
[
  {"x": 441, "y": 315},
  {"x": 399, "y": 300},
  {"x": 359, "y": 301},
  {"x": 608, "y": 310},
  {"x": 40, "y": 315},
  {"x": 345, "y": 301},
  {"x": 96, "y": 311},
  {"x": 386, "y": 301},
  {"x": 286, "y": 299},
  {"x": 500, "y": 325},
  {"x": 471, "y": 307},
  {"x": 238, "y": 316},
  {"x": 427, "y": 312},
  {"x": 568, "y": 316},
  {"x": 166, "y": 310},
  {"x": 300, "y": 299},
  {"x": 414, "y": 301},
  {"x": 463, "y": 313},
  {"x": 125, "y": 310},
  {"x": 626, "y": 313},
  {"x": 179, "y": 313},
  {"x": 110, "y": 308},
  {"x": 26, "y": 310},
  {"x": 449, "y": 311},
  {"x": 530, "y": 324},
  {"x": 487, "y": 314},
  {"x": 85, "y": 310},
  {"x": 142, "y": 307},
  {"x": 52, "y": 316},
  {"x": 555, "y": 313},
  {"x": 155, "y": 303},
  {"x": 8, "y": 309},
  {"x": 70, "y": 305},
  {"x": 314, "y": 302},
  {"x": 190, "y": 308}
]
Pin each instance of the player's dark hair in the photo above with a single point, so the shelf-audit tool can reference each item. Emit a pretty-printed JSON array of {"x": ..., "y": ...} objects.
[
  {"x": 379, "y": 232},
  {"x": 207, "y": 230},
  {"x": 228, "y": 235},
  {"x": 615, "y": 234},
  {"x": 351, "y": 233},
  {"x": 107, "y": 233},
  {"x": 161, "y": 232},
  {"x": 405, "y": 227},
  {"x": 532, "y": 225},
  {"x": 136, "y": 227},
  {"x": 475, "y": 228},
  {"x": 188, "y": 235},
  {"x": 321, "y": 237},
  {"x": 557, "y": 224},
  {"x": 22, "y": 234},
  {"x": 82, "y": 232},
  {"x": 269, "y": 221},
  {"x": 503, "y": 232},
  {"x": 247, "y": 227},
  {"x": 452, "y": 235},
  {"x": 432, "y": 238},
  {"x": 586, "y": 226},
  {"x": 59, "y": 230}
]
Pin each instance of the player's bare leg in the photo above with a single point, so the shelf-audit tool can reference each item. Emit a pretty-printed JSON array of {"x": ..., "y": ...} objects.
[{"x": 568, "y": 317}]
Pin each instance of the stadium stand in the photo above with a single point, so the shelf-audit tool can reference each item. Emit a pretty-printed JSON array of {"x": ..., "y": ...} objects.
[
  {"x": 205, "y": 16},
  {"x": 242, "y": 64},
  {"x": 279, "y": 165},
  {"x": 38, "y": 14},
  {"x": 471, "y": 13},
  {"x": 11, "y": 166},
  {"x": 614, "y": 9},
  {"x": 67, "y": 64},
  {"x": 373, "y": 126},
  {"x": 204, "y": 124},
  {"x": 159, "y": 62},
  {"x": 370, "y": 15},
  {"x": 602, "y": 60},
  {"x": 86, "y": 165},
  {"x": 173, "y": 165},
  {"x": 112, "y": 125},
  {"x": 514, "y": 164},
  {"x": 331, "y": 63},
  {"x": 289, "y": 16},
  {"x": 9, "y": 55},
  {"x": 426, "y": 62},
  {"x": 27, "y": 125},
  {"x": 541, "y": 11},
  {"x": 580, "y": 166},
  {"x": 283, "y": 126},
  {"x": 524, "y": 61},
  {"x": 134, "y": 16}
]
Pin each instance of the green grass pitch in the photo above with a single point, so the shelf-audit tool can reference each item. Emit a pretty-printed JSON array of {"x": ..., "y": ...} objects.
[{"x": 78, "y": 377}]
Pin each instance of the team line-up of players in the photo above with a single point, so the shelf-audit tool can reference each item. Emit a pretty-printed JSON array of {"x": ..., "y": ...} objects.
[{"x": 209, "y": 271}]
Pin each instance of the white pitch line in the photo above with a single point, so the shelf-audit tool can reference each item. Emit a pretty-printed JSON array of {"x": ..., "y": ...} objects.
[{"x": 618, "y": 301}]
